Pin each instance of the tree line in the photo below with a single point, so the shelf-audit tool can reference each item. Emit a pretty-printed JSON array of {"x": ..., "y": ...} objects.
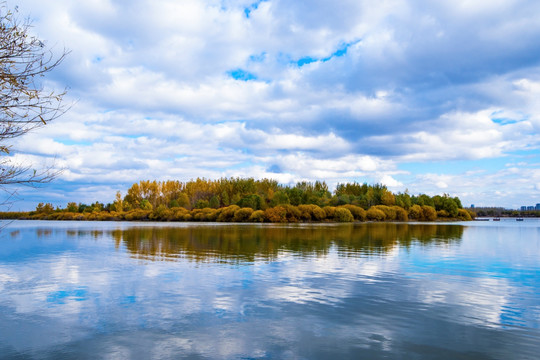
[
  {"x": 502, "y": 212},
  {"x": 264, "y": 200}
]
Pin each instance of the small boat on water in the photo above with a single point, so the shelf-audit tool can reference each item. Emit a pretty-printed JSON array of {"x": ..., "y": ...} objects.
[
  {"x": 519, "y": 219},
  {"x": 496, "y": 219}
]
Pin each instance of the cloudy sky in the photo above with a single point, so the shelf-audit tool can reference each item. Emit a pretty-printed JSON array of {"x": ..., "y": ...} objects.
[{"x": 433, "y": 97}]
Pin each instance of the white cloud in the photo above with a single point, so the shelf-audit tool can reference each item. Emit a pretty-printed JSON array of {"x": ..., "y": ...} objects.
[
  {"x": 390, "y": 182},
  {"x": 341, "y": 91}
]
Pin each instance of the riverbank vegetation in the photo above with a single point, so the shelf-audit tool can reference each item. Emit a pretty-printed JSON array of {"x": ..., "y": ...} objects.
[
  {"x": 250, "y": 200},
  {"x": 502, "y": 212}
]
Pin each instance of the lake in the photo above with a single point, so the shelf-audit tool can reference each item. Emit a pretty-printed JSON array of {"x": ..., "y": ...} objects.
[{"x": 117, "y": 290}]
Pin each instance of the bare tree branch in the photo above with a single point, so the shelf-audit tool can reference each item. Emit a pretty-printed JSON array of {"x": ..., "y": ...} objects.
[{"x": 24, "y": 104}]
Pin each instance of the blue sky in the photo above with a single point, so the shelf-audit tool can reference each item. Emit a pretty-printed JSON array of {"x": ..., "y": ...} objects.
[{"x": 433, "y": 97}]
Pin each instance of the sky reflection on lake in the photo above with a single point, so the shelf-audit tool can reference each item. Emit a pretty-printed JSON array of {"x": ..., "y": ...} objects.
[{"x": 141, "y": 290}]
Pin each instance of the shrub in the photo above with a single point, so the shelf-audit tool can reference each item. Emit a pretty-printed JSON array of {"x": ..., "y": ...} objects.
[
  {"x": 160, "y": 213},
  {"x": 206, "y": 214},
  {"x": 443, "y": 214},
  {"x": 227, "y": 214},
  {"x": 357, "y": 212},
  {"x": 329, "y": 211},
  {"x": 210, "y": 214},
  {"x": 197, "y": 214},
  {"x": 178, "y": 214},
  {"x": 429, "y": 213},
  {"x": 257, "y": 216},
  {"x": 243, "y": 214},
  {"x": 416, "y": 213},
  {"x": 401, "y": 213},
  {"x": 311, "y": 212},
  {"x": 67, "y": 216},
  {"x": 305, "y": 212},
  {"x": 317, "y": 213},
  {"x": 187, "y": 217},
  {"x": 343, "y": 215},
  {"x": 375, "y": 214},
  {"x": 464, "y": 215},
  {"x": 116, "y": 216},
  {"x": 293, "y": 214},
  {"x": 137, "y": 214},
  {"x": 90, "y": 217},
  {"x": 276, "y": 214},
  {"x": 103, "y": 216},
  {"x": 389, "y": 213}
]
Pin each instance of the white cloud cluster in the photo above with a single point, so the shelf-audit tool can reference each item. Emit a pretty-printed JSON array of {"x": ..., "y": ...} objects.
[{"x": 343, "y": 91}]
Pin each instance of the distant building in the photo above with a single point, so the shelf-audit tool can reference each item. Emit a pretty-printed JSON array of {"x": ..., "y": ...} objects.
[
  {"x": 523, "y": 208},
  {"x": 538, "y": 207},
  {"x": 472, "y": 206},
  {"x": 530, "y": 208}
]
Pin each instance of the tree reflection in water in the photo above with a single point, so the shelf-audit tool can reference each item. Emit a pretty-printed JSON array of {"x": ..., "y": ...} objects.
[{"x": 249, "y": 243}]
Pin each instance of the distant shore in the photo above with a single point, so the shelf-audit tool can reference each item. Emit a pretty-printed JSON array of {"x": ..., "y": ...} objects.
[{"x": 235, "y": 213}]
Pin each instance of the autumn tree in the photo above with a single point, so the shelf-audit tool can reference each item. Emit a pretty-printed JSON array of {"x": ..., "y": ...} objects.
[
  {"x": 118, "y": 202},
  {"x": 387, "y": 198},
  {"x": 42, "y": 208}
]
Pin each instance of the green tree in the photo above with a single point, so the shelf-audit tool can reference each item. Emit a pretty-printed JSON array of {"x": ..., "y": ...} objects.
[
  {"x": 97, "y": 206},
  {"x": 201, "y": 204},
  {"x": 295, "y": 195},
  {"x": 450, "y": 206},
  {"x": 225, "y": 200},
  {"x": 252, "y": 201},
  {"x": 403, "y": 200},
  {"x": 424, "y": 199},
  {"x": 343, "y": 200},
  {"x": 72, "y": 207},
  {"x": 146, "y": 205},
  {"x": 214, "y": 202},
  {"x": 280, "y": 198}
]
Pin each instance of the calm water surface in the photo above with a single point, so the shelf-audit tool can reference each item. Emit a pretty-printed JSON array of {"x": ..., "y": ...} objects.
[{"x": 92, "y": 290}]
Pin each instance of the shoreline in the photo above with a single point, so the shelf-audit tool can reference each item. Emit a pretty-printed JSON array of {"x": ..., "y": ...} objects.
[{"x": 236, "y": 214}]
